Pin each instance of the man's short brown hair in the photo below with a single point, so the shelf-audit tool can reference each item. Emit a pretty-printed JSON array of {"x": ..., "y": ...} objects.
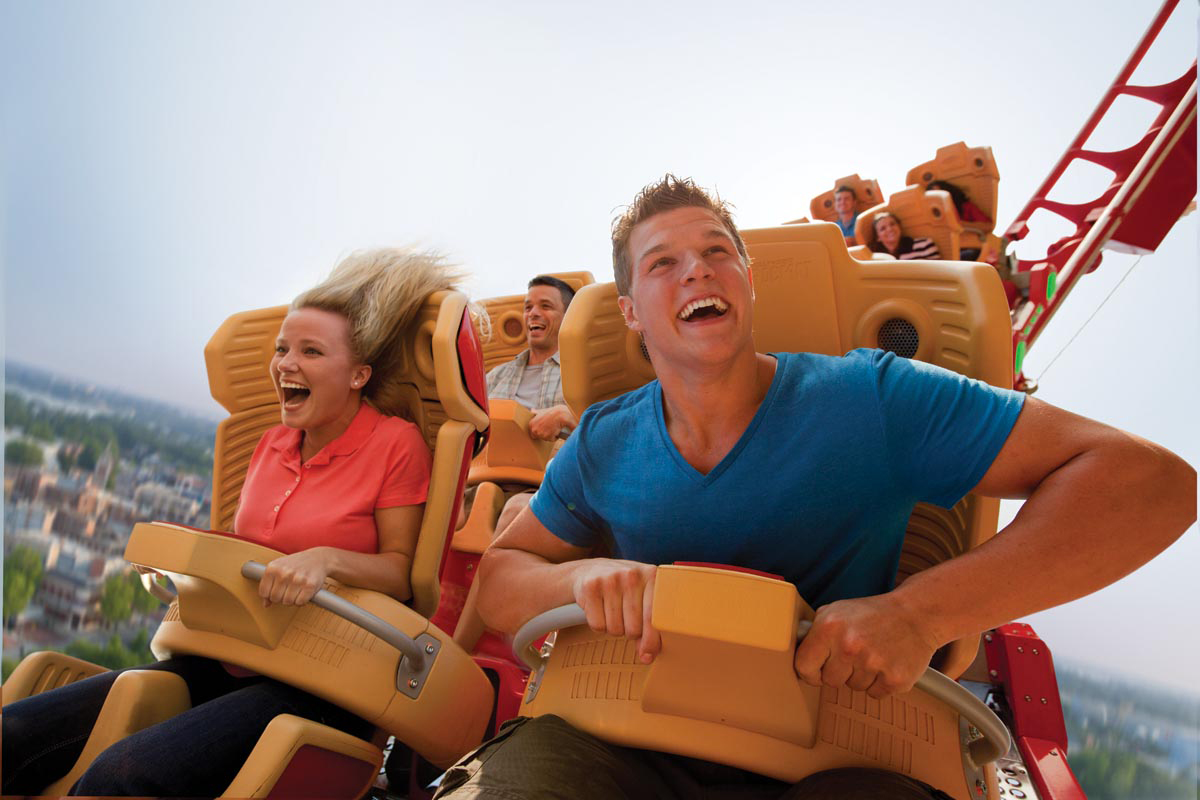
[{"x": 669, "y": 194}]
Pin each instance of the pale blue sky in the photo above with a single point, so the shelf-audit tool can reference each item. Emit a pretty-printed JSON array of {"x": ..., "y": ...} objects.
[{"x": 166, "y": 164}]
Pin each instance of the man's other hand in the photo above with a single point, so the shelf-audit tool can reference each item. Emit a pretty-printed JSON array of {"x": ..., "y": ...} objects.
[
  {"x": 546, "y": 423},
  {"x": 869, "y": 644},
  {"x": 617, "y": 597}
]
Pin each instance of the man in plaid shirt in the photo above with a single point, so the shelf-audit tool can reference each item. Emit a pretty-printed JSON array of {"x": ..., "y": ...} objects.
[{"x": 533, "y": 378}]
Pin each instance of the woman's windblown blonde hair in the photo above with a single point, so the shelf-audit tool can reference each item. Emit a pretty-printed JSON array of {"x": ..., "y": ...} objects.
[{"x": 379, "y": 291}]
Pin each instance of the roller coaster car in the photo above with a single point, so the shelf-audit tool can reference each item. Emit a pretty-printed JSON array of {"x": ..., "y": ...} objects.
[
  {"x": 867, "y": 195},
  {"x": 512, "y": 460},
  {"x": 932, "y": 213},
  {"x": 922, "y": 214},
  {"x": 866, "y": 191},
  {"x": 723, "y": 687},
  {"x": 974, "y": 170},
  {"x": 506, "y": 315},
  {"x": 362, "y": 650}
]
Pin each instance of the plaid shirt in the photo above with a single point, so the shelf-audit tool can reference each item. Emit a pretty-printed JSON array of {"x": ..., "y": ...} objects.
[{"x": 503, "y": 380}]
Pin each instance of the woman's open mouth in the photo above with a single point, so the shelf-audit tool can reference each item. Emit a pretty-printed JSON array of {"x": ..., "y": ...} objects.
[{"x": 294, "y": 394}]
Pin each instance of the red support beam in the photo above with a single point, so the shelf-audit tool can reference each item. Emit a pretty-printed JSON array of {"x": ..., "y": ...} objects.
[
  {"x": 1021, "y": 662},
  {"x": 1154, "y": 182}
]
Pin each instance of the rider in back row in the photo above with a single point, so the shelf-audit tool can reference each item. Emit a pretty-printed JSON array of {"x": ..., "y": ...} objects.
[{"x": 843, "y": 448}]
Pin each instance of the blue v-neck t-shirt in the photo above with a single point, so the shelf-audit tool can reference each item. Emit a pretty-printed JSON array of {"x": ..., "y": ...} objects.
[{"x": 818, "y": 488}]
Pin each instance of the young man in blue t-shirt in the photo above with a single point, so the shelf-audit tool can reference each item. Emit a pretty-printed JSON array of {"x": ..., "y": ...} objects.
[
  {"x": 677, "y": 471},
  {"x": 845, "y": 204}
]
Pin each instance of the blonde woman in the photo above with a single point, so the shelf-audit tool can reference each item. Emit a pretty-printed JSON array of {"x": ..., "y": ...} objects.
[{"x": 339, "y": 487}]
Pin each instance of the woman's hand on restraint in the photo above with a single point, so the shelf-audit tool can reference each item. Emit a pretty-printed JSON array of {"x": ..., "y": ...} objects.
[
  {"x": 618, "y": 597},
  {"x": 293, "y": 580}
]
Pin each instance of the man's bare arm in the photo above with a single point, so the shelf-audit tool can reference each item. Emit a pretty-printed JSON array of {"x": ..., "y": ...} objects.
[
  {"x": 528, "y": 570},
  {"x": 1101, "y": 502}
]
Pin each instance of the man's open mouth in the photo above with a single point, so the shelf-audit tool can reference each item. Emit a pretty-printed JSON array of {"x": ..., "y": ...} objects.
[
  {"x": 706, "y": 308},
  {"x": 294, "y": 394}
]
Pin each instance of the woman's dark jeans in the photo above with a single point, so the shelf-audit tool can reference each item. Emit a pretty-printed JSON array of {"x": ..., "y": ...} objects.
[{"x": 195, "y": 754}]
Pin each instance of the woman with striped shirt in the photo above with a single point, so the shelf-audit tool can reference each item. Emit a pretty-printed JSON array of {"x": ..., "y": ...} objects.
[{"x": 890, "y": 239}]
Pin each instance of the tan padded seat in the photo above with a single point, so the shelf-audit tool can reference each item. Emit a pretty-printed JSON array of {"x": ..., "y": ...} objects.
[
  {"x": 220, "y": 615},
  {"x": 723, "y": 688},
  {"x": 972, "y": 169},
  {"x": 864, "y": 253},
  {"x": 288, "y": 738},
  {"x": 238, "y": 357},
  {"x": 511, "y": 456},
  {"x": 508, "y": 323},
  {"x": 921, "y": 214},
  {"x": 43, "y": 671},
  {"x": 480, "y": 528},
  {"x": 137, "y": 700},
  {"x": 810, "y": 295},
  {"x": 866, "y": 191}
]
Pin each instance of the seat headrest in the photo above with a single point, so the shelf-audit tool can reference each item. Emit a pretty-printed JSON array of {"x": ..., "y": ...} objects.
[{"x": 811, "y": 295}]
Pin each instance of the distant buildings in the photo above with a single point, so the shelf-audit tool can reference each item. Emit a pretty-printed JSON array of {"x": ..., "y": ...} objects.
[
  {"x": 69, "y": 594},
  {"x": 159, "y": 501},
  {"x": 79, "y": 526}
]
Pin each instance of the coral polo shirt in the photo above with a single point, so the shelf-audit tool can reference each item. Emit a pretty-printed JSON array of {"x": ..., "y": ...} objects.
[{"x": 330, "y": 500}]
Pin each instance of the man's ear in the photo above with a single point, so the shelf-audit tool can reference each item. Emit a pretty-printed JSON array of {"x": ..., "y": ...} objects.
[
  {"x": 625, "y": 303},
  {"x": 750, "y": 277}
]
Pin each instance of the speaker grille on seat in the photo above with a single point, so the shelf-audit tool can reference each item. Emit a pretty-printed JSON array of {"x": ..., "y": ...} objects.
[{"x": 899, "y": 336}]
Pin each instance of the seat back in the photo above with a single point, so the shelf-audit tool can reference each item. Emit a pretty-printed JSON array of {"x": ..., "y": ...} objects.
[
  {"x": 972, "y": 169},
  {"x": 445, "y": 396},
  {"x": 812, "y": 296},
  {"x": 865, "y": 189},
  {"x": 921, "y": 214},
  {"x": 508, "y": 322}
]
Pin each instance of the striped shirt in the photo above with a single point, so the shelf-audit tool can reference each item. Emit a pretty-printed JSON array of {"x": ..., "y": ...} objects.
[
  {"x": 504, "y": 380},
  {"x": 910, "y": 248}
]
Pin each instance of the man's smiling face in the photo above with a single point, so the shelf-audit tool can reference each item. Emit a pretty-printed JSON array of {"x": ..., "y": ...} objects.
[
  {"x": 691, "y": 294},
  {"x": 544, "y": 310},
  {"x": 843, "y": 203}
]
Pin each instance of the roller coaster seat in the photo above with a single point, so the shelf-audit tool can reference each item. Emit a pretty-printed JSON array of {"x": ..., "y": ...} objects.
[
  {"x": 921, "y": 214},
  {"x": 972, "y": 169},
  {"x": 511, "y": 462},
  {"x": 512, "y": 459},
  {"x": 446, "y": 398},
  {"x": 810, "y": 295},
  {"x": 441, "y": 710},
  {"x": 717, "y": 701},
  {"x": 866, "y": 191},
  {"x": 723, "y": 689},
  {"x": 507, "y": 336}
]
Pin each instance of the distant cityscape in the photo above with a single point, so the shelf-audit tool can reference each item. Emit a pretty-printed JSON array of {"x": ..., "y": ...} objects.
[
  {"x": 1129, "y": 740},
  {"x": 83, "y": 464}
]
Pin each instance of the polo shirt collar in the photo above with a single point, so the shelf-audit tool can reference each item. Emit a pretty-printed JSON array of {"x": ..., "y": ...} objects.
[
  {"x": 356, "y": 433},
  {"x": 523, "y": 358}
]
